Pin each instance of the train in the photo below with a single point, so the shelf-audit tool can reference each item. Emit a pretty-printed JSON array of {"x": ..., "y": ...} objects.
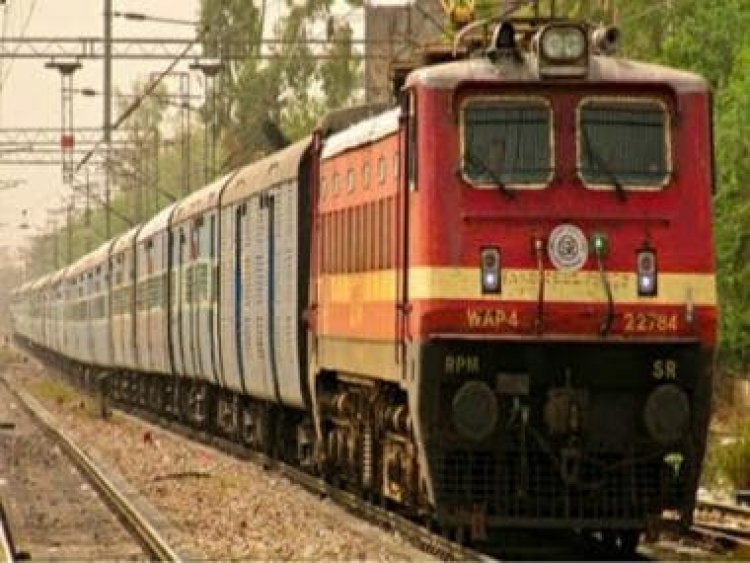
[{"x": 490, "y": 304}]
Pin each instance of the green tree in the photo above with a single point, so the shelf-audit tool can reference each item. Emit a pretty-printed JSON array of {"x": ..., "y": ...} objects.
[
  {"x": 733, "y": 211},
  {"x": 278, "y": 93}
]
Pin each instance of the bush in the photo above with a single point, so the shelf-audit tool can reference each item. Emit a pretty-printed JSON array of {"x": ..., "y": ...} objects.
[{"x": 727, "y": 464}]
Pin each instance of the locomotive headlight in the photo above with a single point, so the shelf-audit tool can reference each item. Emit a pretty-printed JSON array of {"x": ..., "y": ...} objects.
[
  {"x": 647, "y": 272},
  {"x": 563, "y": 43},
  {"x": 489, "y": 259},
  {"x": 475, "y": 410},
  {"x": 574, "y": 45},
  {"x": 667, "y": 414},
  {"x": 552, "y": 45}
]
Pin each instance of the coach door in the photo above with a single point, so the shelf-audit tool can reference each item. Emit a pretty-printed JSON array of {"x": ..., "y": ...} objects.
[
  {"x": 195, "y": 299},
  {"x": 285, "y": 279},
  {"x": 211, "y": 352},
  {"x": 255, "y": 344},
  {"x": 240, "y": 274},
  {"x": 180, "y": 243},
  {"x": 273, "y": 280}
]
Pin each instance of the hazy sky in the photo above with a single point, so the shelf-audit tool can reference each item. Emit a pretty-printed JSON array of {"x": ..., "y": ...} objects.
[{"x": 30, "y": 94}]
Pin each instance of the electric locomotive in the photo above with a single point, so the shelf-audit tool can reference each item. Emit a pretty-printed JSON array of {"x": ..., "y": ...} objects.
[{"x": 514, "y": 294}]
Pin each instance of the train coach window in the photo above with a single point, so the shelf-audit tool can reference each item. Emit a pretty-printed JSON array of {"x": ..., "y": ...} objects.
[
  {"x": 507, "y": 142},
  {"x": 382, "y": 172},
  {"x": 623, "y": 143}
]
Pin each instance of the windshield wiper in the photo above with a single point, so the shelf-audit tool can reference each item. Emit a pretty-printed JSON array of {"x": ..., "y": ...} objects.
[
  {"x": 603, "y": 166},
  {"x": 479, "y": 163}
]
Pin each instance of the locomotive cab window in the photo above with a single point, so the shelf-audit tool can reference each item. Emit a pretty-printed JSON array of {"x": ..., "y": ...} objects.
[
  {"x": 507, "y": 142},
  {"x": 623, "y": 144}
]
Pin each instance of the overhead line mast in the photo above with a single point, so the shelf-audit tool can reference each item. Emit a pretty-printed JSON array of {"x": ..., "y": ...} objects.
[{"x": 107, "y": 89}]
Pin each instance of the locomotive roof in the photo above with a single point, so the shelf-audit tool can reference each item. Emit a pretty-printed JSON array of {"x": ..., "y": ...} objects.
[
  {"x": 361, "y": 133},
  {"x": 125, "y": 241},
  {"x": 274, "y": 169},
  {"x": 601, "y": 69},
  {"x": 157, "y": 223},
  {"x": 200, "y": 200}
]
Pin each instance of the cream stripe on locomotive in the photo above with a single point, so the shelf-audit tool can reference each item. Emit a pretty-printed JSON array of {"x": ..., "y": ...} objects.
[{"x": 518, "y": 285}]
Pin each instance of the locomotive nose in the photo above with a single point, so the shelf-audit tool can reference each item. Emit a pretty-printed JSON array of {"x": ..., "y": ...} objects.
[{"x": 667, "y": 414}]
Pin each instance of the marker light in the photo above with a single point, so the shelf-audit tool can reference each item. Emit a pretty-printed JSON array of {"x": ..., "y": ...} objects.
[
  {"x": 600, "y": 244},
  {"x": 489, "y": 259},
  {"x": 647, "y": 272}
]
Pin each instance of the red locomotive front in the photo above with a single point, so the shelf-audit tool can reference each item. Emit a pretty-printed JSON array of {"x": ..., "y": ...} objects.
[{"x": 546, "y": 310}]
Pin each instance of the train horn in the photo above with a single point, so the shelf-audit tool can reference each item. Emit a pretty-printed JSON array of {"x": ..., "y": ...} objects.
[{"x": 605, "y": 40}]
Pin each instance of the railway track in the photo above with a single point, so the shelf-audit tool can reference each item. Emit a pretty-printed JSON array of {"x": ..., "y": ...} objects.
[
  {"x": 720, "y": 531},
  {"x": 416, "y": 534},
  {"x": 726, "y": 524},
  {"x": 704, "y": 533},
  {"x": 711, "y": 537},
  {"x": 152, "y": 541}
]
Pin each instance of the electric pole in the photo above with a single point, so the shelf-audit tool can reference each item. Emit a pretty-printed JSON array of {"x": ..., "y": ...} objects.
[{"x": 107, "y": 111}]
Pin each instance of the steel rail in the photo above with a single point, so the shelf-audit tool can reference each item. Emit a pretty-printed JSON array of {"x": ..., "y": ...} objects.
[
  {"x": 156, "y": 545},
  {"x": 733, "y": 510},
  {"x": 715, "y": 533},
  {"x": 7, "y": 549},
  {"x": 733, "y": 526}
]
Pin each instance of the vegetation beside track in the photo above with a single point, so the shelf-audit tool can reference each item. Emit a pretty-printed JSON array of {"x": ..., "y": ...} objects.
[{"x": 727, "y": 465}]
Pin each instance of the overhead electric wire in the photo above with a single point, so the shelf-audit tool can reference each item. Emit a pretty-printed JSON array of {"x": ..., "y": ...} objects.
[
  {"x": 24, "y": 29},
  {"x": 137, "y": 102},
  {"x": 5, "y": 72}
]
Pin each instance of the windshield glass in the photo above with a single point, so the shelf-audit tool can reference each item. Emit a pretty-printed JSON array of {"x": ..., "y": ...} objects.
[
  {"x": 507, "y": 142},
  {"x": 623, "y": 142}
]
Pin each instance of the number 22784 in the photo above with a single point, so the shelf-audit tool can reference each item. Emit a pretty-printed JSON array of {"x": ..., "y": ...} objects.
[{"x": 650, "y": 322}]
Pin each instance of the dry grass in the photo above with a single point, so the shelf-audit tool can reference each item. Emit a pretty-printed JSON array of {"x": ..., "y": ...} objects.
[
  {"x": 9, "y": 356},
  {"x": 49, "y": 390}
]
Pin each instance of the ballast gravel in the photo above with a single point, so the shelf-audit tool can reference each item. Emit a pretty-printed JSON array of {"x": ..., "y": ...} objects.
[{"x": 222, "y": 507}]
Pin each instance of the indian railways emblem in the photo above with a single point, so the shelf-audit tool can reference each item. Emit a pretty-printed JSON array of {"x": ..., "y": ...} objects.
[{"x": 568, "y": 248}]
